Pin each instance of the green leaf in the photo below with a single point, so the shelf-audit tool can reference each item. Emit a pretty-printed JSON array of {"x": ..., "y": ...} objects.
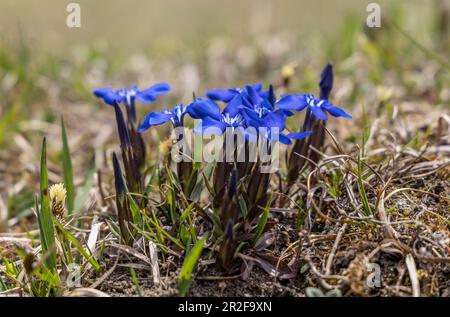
[
  {"x": 45, "y": 215},
  {"x": 74, "y": 241},
  {"x": 67, "y": 169},
  {"x": 161, "y": 232},
  {"x": 135, "y": 211},
  {"x": 362, "y": 191},
  {"x": 243, "y": 206},
  {"x": 3, "y": 286},
  {"x": 208, "y": 184},
  {"x": 262, "y": 221},
  {"x": 188, "y": 266},
  {"x": 135, "y": 281},
  {"x": 186, "y": 212}
]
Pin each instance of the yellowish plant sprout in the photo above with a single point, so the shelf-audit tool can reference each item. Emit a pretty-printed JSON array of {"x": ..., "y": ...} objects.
[{"x": 58, "y": 199}]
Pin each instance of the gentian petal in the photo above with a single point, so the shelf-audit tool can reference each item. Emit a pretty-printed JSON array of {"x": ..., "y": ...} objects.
[
  {"x": 159, "y": 89},
  {"x": 224, "y": 95},
  {"x": 251, "y": 118},
  {"x": 150, "y": 94},
  {"x": 155, "y": 118},
  {"x": 202, "y": 108},
  {"x": 282, "y": 138},
  {"x": 253, "y": 95},
  {"x": 265, "y": 103},
  {"x": 145, "y": 97},
  {"x": 275, "y": 119},
  {"x": 234, "y": 106},
  {"x": 318, "y": 113},
  {"x": 265, "y": 94},
  {"x": 258, "y": 87},
  {"x": 292, "y": 102},
  {"x": 108, "y": 95},
  {"x": 335, "y": 111},
  {"x": 99, "y": 93},
  {"x": 246, "y": 100},
  {"x": 298, "y": 135}
]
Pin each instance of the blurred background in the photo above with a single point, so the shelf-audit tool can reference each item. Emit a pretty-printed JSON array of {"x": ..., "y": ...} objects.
[
  {"x": 130, "y": 26},
  {"x": 48, "y": 70},
  {"x": 206, "y": 41}
]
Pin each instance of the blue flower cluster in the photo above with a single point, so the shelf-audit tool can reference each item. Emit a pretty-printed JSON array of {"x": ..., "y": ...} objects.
[{"x": 247, "y": 107}]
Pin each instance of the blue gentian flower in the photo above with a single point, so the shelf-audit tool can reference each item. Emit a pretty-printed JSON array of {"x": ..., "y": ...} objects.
[
  {"x": 250, "y": 96},
  {"x": 226, "y": 95},
  {"x": 218, "y": 126},
  {"x": 248, "y": 107},
  {"x": 253, "y": 97},
  {"x": 175, "y": 116},
  {"x": 213, "y": 121},
  {"x": 258, "y": 109},
  {"x": 273, "y": 124},
  {"x": 129, "y": 95},
  {"x": 318, "y": 107}
]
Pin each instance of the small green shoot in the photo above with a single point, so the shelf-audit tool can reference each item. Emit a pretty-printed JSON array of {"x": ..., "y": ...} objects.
[
  {"x": 188, "y": 266},
  {"x": 67, "y": 170},
  {"x": 45, "y": 215}
]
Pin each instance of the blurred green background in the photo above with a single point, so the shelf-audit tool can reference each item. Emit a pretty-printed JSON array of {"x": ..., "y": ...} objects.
[{"x": 129, "y": 26}]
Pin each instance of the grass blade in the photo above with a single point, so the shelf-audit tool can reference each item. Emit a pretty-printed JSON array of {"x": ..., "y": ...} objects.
[
  {"x": 188, "y": 266},
  {"x": 77, "y": 245},
  {"x": 262, "y": 222},
  {"x": 135, "y": 281},
  {"x": 44, "y": 214},
  {"x": 362, "y": 191},
  {"x": 67, "y": 169}
]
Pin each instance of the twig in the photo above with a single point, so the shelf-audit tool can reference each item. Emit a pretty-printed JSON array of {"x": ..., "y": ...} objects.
[
  {"x": 324, "y": 277},
  {"x": 334, "y": 248},
  {"x": 411, "y": 265}
]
